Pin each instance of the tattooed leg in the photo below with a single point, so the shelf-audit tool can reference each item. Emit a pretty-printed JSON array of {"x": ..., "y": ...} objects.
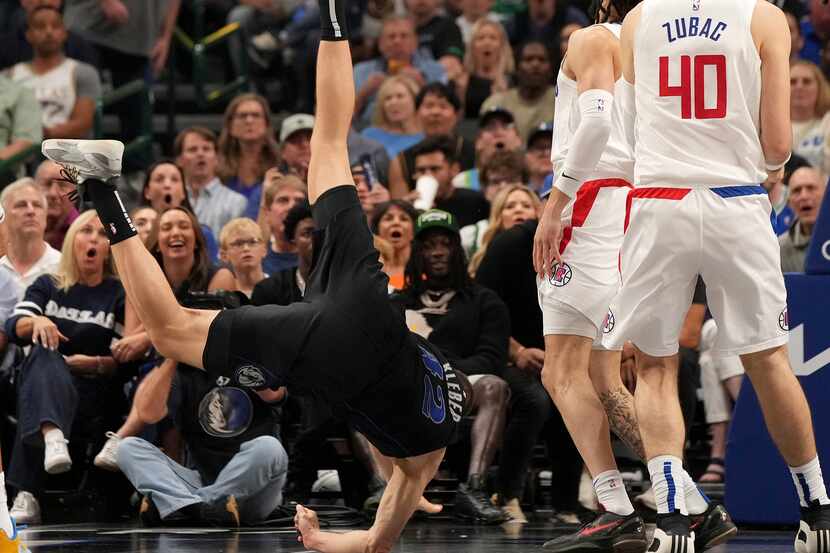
[{"x": 616, "y": 400}]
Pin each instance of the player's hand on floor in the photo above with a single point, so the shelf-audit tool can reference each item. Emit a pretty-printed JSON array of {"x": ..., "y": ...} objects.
[{"x": 306, "y": 523}]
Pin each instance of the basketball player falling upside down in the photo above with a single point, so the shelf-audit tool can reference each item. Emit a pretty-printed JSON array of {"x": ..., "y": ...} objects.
[{"x": 343, "y": 343}]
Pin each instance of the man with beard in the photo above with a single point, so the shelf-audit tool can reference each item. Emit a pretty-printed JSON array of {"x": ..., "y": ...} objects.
[
  {"x": 470, "y": 325},
  {"x": 531, "y": 100},
  {"x": 65, "y": 88}
]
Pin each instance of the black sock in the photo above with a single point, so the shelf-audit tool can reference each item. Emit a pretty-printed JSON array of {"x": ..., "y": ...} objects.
[
  {"x": 333, "y": 20},
  {"x": 111, "y": 210}
]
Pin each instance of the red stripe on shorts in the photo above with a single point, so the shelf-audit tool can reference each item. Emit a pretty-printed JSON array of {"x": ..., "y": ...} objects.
[
  {"x": 655, "y": 193},
  {"x": 585, "y": 198}
]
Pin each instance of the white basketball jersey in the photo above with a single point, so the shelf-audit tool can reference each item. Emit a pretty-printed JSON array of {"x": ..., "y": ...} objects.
[
  {"x": 698, "y": 94},
  {"x": 617, "y": 160}
]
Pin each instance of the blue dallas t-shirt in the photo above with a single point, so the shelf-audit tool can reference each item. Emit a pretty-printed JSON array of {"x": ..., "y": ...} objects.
[{"x": 90, "y": 317}]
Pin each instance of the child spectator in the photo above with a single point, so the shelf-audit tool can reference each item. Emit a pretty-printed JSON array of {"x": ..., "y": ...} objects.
[{"x": 242, "y": 246}]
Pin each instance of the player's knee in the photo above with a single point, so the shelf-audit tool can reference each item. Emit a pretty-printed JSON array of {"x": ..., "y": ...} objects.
[
  {"x": 269, "y": 451},
  {"x": 492, "y": 390},
  {"x": 558, "y": 380}
]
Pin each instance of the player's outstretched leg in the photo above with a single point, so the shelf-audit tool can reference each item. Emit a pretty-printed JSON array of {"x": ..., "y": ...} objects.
[
  {"x": 329, "y": 163},
  {"x": 790, "y": 425},
  {"x": 176, "y": 332}
]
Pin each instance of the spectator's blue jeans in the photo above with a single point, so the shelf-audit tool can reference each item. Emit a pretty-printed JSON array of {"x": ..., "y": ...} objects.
[{"x": 255, "y": 477}]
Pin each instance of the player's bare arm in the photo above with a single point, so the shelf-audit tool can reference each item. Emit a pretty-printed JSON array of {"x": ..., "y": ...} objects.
[
  {"x": 772, "y": 38},
  {"x": 593, "y": 61},
  {"x": 403, "y": 493}
]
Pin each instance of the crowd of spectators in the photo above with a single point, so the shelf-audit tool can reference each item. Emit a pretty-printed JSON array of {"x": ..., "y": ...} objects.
[{"x": 450, "y": 153}]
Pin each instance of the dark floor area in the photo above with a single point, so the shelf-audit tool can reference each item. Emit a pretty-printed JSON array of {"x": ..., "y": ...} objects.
[{"x": 420, "y": 537}]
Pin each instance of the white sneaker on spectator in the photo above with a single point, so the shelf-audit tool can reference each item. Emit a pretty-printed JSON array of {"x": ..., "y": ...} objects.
[
  {"x": 100, "y": 159},
  {"x": 646, "y": 499},
  {"x": 25, "y": 509},
  {"x": 56, "y": 459},
  {"x": 107, "y": 458}
]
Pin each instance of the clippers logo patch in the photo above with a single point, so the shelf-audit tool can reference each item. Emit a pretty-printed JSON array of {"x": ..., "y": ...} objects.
[
  {"x": 250, "y": 376},
  {"x": 695, "y": 5},
  {"x": 608, "y": 322},
  {"x": 784, "y": 320},
  {"x": 560, "y": 274}
]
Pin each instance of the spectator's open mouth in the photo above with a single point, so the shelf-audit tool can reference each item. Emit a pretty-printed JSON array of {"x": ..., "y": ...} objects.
[
  {"x": 395, "y": 234},
  {"x": 91, "y": 253},
  {"x": 168, "y": 199},
  {"x": 176, "y": 244}
]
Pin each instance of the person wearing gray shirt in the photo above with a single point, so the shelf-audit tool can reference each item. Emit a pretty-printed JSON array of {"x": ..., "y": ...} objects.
[
  {"x": 131, "y": 36},
  {"x": 66, "y": 89}
]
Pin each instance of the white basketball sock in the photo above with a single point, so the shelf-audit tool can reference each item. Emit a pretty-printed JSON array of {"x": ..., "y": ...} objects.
[
  {"x": 611, "y": 493},
  {"x": 809, "y": 483},
  {"x": 668, "y": 483},
  {"x": 696, "y": 500},
  {"x": 5, "y": 519}
]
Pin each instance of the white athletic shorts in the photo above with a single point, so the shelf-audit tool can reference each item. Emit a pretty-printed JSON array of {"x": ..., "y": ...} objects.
[
  {"x": 722, "y": 234},
  {"x": 575, "y": 298}
]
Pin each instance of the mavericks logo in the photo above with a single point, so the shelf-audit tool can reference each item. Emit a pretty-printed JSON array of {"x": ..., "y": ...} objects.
[
  {"x": 250, "y": 376},
  {"x": 225, "y": 412},
  {"x": 560, "y": 274}
]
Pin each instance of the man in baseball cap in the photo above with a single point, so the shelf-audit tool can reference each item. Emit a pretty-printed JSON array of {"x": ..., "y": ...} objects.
[{"x": 295, "y": 143}]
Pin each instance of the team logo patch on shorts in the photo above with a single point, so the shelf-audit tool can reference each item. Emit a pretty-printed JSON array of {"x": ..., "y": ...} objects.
[
  {"x": 250, "y": 376},
  {"x": 608, "y": 322},
  {"x": 784, "y": 320},
  {"x": 560, "y": 274}
]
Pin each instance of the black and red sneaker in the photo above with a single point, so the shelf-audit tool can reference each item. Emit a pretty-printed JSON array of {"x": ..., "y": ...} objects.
[
  {"x": 712, "y": 527},
  {"x": 608, "y": 532}
]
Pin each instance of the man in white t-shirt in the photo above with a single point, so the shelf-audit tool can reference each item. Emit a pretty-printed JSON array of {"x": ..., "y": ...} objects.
[
  {"x": 66, "y": 89},
  {"x": 27, "y": 254}
]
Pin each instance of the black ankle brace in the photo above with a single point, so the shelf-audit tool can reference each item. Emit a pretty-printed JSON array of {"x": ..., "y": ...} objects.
[
  {"x": 333, "y": 20},
  {"x": 111, "y": 210}
]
